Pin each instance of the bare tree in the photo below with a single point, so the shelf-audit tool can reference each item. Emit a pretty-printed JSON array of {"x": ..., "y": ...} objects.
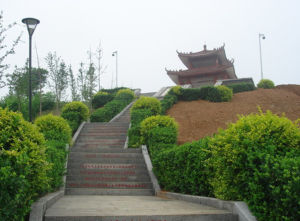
[
  {"x": 5, "y": 51},
  {"x": 100, "y": 67}
]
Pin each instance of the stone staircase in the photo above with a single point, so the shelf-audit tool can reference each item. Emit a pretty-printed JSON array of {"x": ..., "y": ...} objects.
[
  {"x": 106, "y": 182},
  {"x": 99, "y": 165}
]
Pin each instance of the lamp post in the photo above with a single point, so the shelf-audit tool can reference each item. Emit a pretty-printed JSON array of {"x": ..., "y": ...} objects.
[
  {"x": 261, "y": 36},
  {"x": 115, "y": 53},
  {"x": 31, "y": 24}
]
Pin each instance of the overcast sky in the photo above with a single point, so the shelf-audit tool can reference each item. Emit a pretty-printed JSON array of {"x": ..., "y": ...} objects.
[{"x": 147, "y": 34}]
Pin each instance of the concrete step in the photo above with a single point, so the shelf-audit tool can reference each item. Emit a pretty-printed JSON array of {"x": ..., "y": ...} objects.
[
  {"x": 95, "y": 166},
  {"x": 76, "y": 160},
  {"x": 96, "y": 149},
  {"x": 109, "y": 178},
  {"x": 108, "y": 185},
  {"x": 132, "y": 208},
  {"x": 104, "y": 135},
  {"x": 108, "y": 172},
  {"x": 95, "y": 145},
  {"x": 101, "y": 141},
  {"x": 122, "y": 155},
  {"x": 116, "y": 192}
]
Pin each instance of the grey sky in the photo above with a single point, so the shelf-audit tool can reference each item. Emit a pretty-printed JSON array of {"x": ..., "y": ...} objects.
[{"x": 148, "y": 33}]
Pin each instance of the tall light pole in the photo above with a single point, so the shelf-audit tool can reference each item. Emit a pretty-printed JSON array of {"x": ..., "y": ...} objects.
[
  {"x": 115, "y": 53},
  {"x": 261, "y": 36},
  {"x": 31, "y": 24}
]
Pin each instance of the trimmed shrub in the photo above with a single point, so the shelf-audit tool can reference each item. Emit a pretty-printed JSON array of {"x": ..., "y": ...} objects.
[
  {"x": 75, "y": 113},
  {"x": 100, "y": 99},
  {"x": 150, "y": 103},
  {"x": 125, "y": 94},
  {"x": 56, "y": 155},
  {"x": 257, "y": 160},
  {"x": 138, "y": 115},
  {"x": 113, "y": 91},
  {"x": 190, "y": 94},
  {"x": 210, "y": 93},
  {"x": 106, "y": 113},
  {"x": 23, "y": 165},
  {"x": 54, "y": 128},
  {"x": 183, "y": 169},
  {"x": 162, "y": 135},
  {"x": 241, "y": 87},
  {"x": 166, "y": 103},
  {"x": 156, "y": 122},
  {"x": 225, "y": 93},
  {"x": 134, "y": 136},
  {"x": 266, "y": 84},
  {"x": 176, "y": 90}
]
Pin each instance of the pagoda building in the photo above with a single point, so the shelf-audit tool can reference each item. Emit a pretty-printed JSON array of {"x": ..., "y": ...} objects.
[{"x": 203, "y": 68}]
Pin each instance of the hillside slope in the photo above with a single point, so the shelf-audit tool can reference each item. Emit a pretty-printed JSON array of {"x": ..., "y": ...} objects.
[{"x": 200, "y": 118}]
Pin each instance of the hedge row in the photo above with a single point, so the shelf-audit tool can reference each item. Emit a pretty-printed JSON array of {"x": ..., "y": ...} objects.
[
  {"x": 104, "y": 114},
  {"x": 144, "y": 107},
  {"x": 209, "y": 93},
  {"x": 32, "y": 160},
  {"x": 256, "y": 160}
]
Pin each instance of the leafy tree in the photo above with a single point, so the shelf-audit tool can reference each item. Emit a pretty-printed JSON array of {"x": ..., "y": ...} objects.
[
  {"x": 73, "y": 85},
  {"x": 81, "y": 82},
  {"x": 5, "y": 50},
  {"x": 18, "y": 82},
  {"x": 58, "y": 76}
]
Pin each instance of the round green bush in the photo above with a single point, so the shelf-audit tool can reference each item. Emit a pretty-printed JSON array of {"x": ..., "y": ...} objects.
[
  {"x": 176, "y": 90},
  {"x": 225, "y": 93},
  {"x": 155, "y": 122},
  {"x": 266, "y": 84},
  {"x": 257, "y": 160},
  {"x": 75, "y": 113},
  {"x": 148, "y": 103},
  {"x": 100, "y": 99},
  {"x": 54, "y": 128},
  {"x": 125, "y": 94},
  {"x": 23, "y": 166}
]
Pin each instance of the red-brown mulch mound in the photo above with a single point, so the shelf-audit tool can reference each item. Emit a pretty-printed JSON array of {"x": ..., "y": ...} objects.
[{"x": 198, "y": 119}]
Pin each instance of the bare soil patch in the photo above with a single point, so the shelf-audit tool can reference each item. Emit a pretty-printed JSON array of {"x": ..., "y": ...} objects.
[{"x": 198, "y": 119}]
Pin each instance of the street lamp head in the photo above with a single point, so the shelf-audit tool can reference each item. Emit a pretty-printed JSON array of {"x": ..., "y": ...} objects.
[
  {"x": 114, "y": 53},
  {"x": 31, "y": 24},
  {"x": 262, "y": 36}
]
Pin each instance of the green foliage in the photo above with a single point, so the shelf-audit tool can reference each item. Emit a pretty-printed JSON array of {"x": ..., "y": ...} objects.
[
  {"x": 190, "y": 94},
  {"x": 113, "y": 90},
  {"x": 75, "y": 113},
  {"x": 23, "y": 165},
  {"x": 208, "y": 93},
  {"x": 157, "y": 121},
  {"x": 266, "y": 84},
  {"x": 176, "y": 90},
  {"x": 138, "y": 115},
  {"x": 54, "y": 128},
  {"x": 125, "y": 94},
  {"x": 134, "y": 136},
  {"x": 225, "y": 92},
  {"x": 241, "y": 87},
  {"x": 111, "y": 109},
  {"x": 257, "y": 160},
  {"x": 150, "y": 103},
  {"x": 183, "y": 169},
  {"x": 161, "y": 135},
  {"x": 167, "y": 102},
  {"x": 56, "y": 155},
  {"x": 100, "y": 99}
]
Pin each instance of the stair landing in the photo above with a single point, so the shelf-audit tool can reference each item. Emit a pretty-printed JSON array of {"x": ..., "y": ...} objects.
[{"x": 132, "y": 208}]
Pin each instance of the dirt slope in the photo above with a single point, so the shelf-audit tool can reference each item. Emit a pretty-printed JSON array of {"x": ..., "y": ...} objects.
[{"x": 201, "y": 118}]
